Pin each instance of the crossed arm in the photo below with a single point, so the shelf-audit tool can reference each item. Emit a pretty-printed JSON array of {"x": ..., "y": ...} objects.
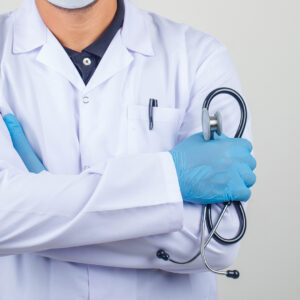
[
  {"x": 139, "y": 252},
  {"x": 80, "y": 218}
]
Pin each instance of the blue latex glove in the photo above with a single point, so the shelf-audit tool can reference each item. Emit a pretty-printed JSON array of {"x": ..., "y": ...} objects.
[
  {"x": 215, "y": 171},
  {"x": 30, "y": 159}
]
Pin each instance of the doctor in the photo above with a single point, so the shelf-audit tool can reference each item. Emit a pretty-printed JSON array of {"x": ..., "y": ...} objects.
[{"x": 107, "y": 191}]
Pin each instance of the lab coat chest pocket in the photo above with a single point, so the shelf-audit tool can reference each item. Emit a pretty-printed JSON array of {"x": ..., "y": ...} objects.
[{"x": 163, "y": 136}]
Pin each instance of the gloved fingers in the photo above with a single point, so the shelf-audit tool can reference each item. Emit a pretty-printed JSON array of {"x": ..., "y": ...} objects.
[
  {"x": 238, "y": 189},
  {"x": 246, "y": 144},
  {"x": 194, "y": 139},
  {"x": 16, "y": 132},
  {"x": 197, "y": 137},
  {"x": 242, "y": 194},
  {"x": 251, "y": 162},
  {"x": 12, "y": 123},
  {"x": 220, "y": 137},
  {"x": 246, "y": 158},
  {"x": 247, "y": 175},
  {"x": 241, "y": 145},
  {"x": 22, "y": 146}
]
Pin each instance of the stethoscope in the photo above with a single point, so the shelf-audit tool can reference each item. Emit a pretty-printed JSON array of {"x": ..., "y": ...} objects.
[{"x": 212, "y": 125}]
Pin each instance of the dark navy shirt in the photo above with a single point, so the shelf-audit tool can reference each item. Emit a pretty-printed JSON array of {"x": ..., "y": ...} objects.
[{"x": 87, "y": 61}]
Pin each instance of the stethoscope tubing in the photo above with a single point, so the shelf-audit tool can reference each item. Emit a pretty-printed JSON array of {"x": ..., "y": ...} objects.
[
  {"x": 239, "y": 133},
  {"x": 240, "y": 101},
  {"x": 207, "y": 209}
]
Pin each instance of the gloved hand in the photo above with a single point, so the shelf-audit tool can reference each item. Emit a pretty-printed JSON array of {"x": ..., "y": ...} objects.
[
  {"x": 22, "y": 146},
  {"x": 215, "y": 171}
]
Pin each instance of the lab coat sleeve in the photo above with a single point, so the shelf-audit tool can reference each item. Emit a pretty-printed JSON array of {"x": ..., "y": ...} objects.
[
  {"x": 215, "y": 71},
  {"x": 136, "y": 196}
]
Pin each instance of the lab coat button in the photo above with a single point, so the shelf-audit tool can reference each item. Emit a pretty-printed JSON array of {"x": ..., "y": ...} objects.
[{"x": 85, "y": 100}]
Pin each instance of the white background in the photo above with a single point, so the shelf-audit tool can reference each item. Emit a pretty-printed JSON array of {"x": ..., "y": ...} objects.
[{"x": 263, "y": 37}]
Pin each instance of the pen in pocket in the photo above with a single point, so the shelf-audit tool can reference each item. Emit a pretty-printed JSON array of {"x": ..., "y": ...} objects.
[{"x": 152, "y": 103}]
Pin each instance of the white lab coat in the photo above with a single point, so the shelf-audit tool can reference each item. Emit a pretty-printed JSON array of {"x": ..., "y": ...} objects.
[{"x": 90, "y": 226}]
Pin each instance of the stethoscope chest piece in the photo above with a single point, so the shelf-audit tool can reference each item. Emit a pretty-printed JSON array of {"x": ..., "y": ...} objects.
[{"x": 211, "y": 124}]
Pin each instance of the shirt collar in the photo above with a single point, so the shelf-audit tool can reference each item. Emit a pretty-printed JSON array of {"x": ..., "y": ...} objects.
[
  {"x": 30, "y": 32},
  {"x": 99, "y": 47}
]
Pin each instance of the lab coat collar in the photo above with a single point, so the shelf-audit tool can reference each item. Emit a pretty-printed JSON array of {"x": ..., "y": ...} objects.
[
  {"x": 135, "y": 31},
  {"x": 30, "y": 32}
]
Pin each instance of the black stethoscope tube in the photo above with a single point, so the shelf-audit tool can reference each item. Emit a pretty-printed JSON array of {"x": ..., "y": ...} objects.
[
  {"x": 238, "y": 98},
  {"x": 239, "y": 133},
  {"x": 162, "y": 254}
]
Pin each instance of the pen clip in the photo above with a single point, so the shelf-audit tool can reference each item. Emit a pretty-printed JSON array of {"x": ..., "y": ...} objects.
[{"x": 152, "y": 103}]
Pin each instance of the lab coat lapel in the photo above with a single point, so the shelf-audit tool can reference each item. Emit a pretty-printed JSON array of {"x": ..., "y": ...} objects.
[
  {"x": 116, "y": 58},
  {"x": 29, "y": 30},
  {"x": 133, "y": 37},
  {"x": 31, "y": 33},
  {"x": 55, "y": 57}
]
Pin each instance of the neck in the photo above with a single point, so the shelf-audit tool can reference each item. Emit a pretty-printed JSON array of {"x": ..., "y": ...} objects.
[{"x": 77, "y": 29}]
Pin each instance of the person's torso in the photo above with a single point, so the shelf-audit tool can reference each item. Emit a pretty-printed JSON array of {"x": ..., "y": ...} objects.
[{"x": 72, "y": 126}]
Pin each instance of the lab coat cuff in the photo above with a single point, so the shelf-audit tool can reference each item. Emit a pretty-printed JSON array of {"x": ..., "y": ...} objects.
[
  {"x": 144, "y": 186},
  {"x": 172, "y": 188}
]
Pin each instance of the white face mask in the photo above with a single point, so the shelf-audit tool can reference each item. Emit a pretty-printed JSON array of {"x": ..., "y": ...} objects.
[{"x": 71, "y": 4}]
